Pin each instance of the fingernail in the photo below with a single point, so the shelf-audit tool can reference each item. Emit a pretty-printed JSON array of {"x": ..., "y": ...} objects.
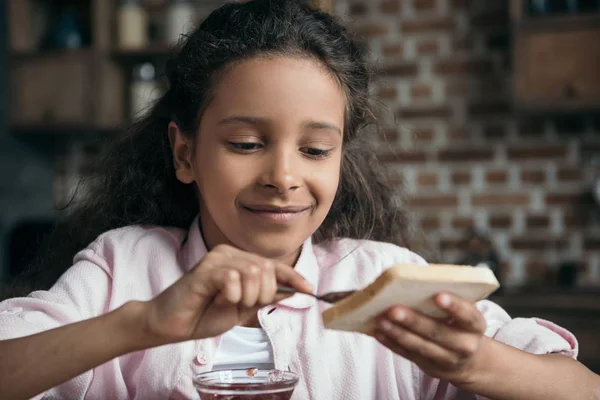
[
  {"x": 444, "y": 300},
  {"x": 385, "y": 325},
  {"x": 399, "y": 315}
]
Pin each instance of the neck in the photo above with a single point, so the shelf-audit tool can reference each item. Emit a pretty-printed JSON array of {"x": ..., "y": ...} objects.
[{"x": 291, "y": 259}]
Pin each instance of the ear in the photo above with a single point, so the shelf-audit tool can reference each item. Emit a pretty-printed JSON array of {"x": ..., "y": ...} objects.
[{"x": 183, "y": 151}]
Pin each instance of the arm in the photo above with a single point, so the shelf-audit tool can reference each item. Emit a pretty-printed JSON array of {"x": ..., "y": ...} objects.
[
  {"x": 507, "y": 373},
  {"x": 41, "y": 334},
  {"x": 456, "y": 351},
  {"x": 33, "y": 364},
  {"x": 223, "y": 290}
]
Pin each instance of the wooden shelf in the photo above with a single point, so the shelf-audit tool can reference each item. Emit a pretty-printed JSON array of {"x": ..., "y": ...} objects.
[
  {"x": 82, "y": 91},
  {"x": 555, "y": 61},
  {"x": 157, "y": 50},
  {"x": 66, "y": 54},
  {"x": 63, "y": 129}
]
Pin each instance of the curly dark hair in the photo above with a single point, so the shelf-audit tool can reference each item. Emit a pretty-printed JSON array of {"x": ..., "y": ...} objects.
[{"x": 137, "y": 183}]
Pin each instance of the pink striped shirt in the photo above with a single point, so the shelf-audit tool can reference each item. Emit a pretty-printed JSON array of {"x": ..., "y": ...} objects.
[{"x": 138, "y": 263}]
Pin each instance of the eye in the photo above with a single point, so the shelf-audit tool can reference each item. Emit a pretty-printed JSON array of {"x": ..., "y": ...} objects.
[
  {"x": 244, "y": 146},
  {"x": 316, "y": 153}
]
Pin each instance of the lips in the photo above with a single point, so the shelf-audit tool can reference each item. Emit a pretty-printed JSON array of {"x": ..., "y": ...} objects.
[
  {"x": 276, "y": 209},
  {"x": 277, "y": 214}
]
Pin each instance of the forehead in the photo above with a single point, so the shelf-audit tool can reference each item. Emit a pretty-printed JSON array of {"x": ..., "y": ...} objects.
[{"x": 277, "y": 86}]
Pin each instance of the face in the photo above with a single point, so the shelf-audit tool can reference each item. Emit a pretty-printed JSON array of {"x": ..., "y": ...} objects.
[{"x": 267, "y": 157}]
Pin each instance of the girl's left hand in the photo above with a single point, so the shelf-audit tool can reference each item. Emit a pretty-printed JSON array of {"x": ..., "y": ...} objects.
[{"x": 445, "y": 349}]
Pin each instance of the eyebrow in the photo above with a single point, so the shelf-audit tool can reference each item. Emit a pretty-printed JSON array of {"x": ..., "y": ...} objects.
[{"x": 315, "y": 125}]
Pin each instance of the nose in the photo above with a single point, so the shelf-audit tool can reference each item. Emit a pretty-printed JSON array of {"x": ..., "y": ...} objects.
[{"x": 281, "y": 171}]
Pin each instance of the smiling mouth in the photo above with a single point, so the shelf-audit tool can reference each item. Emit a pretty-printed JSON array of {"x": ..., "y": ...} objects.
[{"x": 278, "y": 214}]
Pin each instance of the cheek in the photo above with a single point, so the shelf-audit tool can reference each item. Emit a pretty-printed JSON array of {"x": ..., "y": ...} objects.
[
  {"x": 325, "y": 184},
  {"x": 219, "y": 182}
]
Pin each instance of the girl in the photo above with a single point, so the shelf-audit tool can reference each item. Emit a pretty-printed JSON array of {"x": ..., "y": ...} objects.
[{"x": 252, "y": 171}]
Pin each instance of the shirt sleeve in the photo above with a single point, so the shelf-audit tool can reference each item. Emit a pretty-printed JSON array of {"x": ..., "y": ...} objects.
[
  {"x": 82, "y": 292},
  {"x": 533, "y": 335}
]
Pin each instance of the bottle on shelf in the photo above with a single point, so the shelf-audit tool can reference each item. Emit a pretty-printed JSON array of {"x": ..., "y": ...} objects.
[
  {"x": 145, "y": 89},
  {"x": 180, "y": 19},
  {"x": 67, "y": 33},
  {"x": 132, "y": 20}
]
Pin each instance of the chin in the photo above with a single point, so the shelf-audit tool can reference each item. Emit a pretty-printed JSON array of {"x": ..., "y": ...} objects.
[{"x": 273, "y": 247}]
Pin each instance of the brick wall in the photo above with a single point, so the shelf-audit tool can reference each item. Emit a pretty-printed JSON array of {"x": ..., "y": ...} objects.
[
  {"x": 465, "y": 158},
  {"x": 451, "y": 138}
]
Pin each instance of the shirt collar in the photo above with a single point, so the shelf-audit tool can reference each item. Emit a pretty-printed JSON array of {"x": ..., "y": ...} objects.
[{"x": 194, "y": 249}]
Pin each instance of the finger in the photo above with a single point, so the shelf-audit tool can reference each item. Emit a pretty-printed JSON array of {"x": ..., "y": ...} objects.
[
  {"x": 434, "y": 330},
  {"x": 233, "y": 279},
  {"x": 258, "y": 283},
  {"x": 228, "y": 283},
  {"x": 251, "y": 282},
  {"x": 250, "y": 279},
  {"x": 463, "y": 313},
  {"x": 287, "y": 276},
  {"x": 225, "y": 256},
  {"x": 284, "y": 273},
  {"x": 203, "y": 277},
  {"x": 268, "y": 286},
  {"x": 246, "y": 289},
  {"x": 414, "y": 347},
  {"x": 392, "y": 345},
  {"x": 220, "y": 300}
]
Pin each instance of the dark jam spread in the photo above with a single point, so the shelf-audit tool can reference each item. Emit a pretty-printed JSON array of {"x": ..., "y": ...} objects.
[
  {"x": 240, "y": 388},
  {"x": 254, "y": 386}
]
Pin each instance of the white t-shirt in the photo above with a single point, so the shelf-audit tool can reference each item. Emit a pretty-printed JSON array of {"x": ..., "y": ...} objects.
[{"x": 243, "y": 348}]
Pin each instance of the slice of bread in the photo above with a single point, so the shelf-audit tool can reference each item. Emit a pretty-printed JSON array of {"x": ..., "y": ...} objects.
[{"x": 412, "y": 286}]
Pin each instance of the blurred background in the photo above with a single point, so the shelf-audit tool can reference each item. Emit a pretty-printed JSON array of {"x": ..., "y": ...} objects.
[{"x": 490, "y": 113}]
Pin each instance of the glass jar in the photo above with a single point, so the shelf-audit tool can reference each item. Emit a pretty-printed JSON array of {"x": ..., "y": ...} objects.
[
  {"x": 145, "y": 89},
  {"x": 180, "y": 19},
  {"x": 250, "y": 384},
  {"x": 132, "y": 20}
]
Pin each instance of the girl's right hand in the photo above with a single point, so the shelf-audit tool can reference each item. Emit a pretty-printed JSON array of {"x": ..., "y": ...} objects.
[{"x": 225, "y": 289}]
